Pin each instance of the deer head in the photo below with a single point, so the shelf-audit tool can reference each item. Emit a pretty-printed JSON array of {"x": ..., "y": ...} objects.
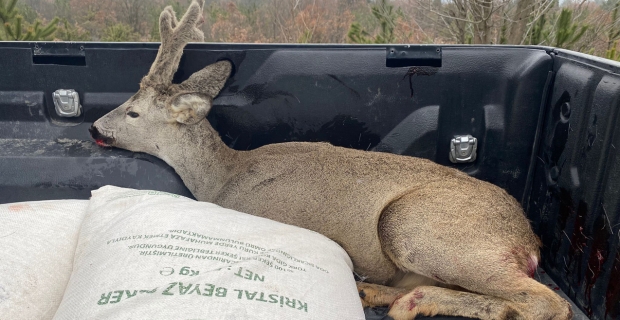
[{"x": 156, "y": 114}]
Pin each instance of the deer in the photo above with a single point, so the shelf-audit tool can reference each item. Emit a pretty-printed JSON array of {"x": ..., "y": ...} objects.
[{"x": 426, "y": 239}]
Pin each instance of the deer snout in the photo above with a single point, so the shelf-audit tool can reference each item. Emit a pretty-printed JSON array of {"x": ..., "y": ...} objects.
[
  {"x": 94, "y": 132},
  {"x": 100, "y": 139}
]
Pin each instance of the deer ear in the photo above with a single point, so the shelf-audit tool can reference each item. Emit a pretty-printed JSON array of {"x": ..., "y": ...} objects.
[
  {"x": 209, "y": 80},
  {"x": 189, "y": 108}
]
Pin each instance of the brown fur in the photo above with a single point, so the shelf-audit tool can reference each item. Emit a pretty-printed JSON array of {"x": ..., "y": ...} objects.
[{"x": 404, "y": 221}]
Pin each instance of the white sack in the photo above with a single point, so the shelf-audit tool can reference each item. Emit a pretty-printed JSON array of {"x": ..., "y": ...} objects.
[
  {"x": 37, "y": 243},
  {"x": 153, "y": 255}
]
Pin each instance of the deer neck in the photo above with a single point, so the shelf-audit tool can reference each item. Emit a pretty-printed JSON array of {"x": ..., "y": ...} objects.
[{"x": 200, "y": 158}]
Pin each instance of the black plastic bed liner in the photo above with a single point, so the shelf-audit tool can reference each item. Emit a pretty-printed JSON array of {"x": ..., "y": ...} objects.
[{"x": 546, "y": 121}]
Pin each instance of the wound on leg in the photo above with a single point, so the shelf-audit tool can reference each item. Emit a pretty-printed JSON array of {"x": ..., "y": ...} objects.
[
  {"x": 417, "y": 296},
  {"x": 532, "y": 264}
]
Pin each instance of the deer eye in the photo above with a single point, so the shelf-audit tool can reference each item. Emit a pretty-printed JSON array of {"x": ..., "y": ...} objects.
[{"x": 133, "y": 114}]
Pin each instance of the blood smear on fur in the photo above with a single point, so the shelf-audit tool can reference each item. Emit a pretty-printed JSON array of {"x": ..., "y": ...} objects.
[
  {"x": 101, "y": 143},
  {"x": 532, "y": 264}
]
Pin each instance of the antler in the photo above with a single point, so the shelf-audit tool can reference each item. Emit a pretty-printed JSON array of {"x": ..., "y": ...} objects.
[{"x": 174, "y": 36}]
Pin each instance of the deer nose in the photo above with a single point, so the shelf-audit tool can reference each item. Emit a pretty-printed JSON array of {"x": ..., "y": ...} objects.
[{"x": 94, "y": 132}]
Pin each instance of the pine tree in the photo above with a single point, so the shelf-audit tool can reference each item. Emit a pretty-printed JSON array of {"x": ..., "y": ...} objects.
[
  {"x": 539, "y": 33},
  {"x": 69, "y": 32},
  {"x": 15, "y": 29},
  {"x": 613, "y": 32},
  {"x": 357, "y": 34},
  {"x": 503, "y": 38},
  {"x": 7, "y": 11},
  {"x": 119, "y": 32},
  {"x": 612, "y": 53},
  {"x": 567, "y": 32},
  {"x": 385, "y": 14}
]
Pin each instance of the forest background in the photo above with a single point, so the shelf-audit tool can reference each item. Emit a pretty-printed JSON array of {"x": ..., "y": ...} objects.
[{"x": 589, "y": 26}]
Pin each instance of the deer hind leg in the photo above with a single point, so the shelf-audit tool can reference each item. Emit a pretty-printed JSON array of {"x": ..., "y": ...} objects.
[
  {"x": 492, "y": 265},
  {"x": 430, "y": 298},
  {"x": 373, "y": 295},
  {"x": 430, "y": 301},
  {"x": 533, "y": 301}
]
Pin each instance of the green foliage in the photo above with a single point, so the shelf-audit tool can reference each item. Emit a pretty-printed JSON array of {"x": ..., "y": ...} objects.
[
  {"x": 119, "y": 32},
  {"x": 214, "y": 12},
  {"x": 386, "y": 16},
  {"x": 607, "y": 5},
  {"x": 30, "y": 15},
  {"x": 567, "y": 32},
  {"x": 503, "y": 38},
  {"x": 154, "y": 33},
  {"x": 305, "y": 37},
  {"x": 16, "y": 29},
  {"x": 63, "y": 8},
  {"x": 7, "y": 11},
  {"x": 357, "y": 34},
  {"x": 613, "y": 32},
  {"x": 69, "y": 32},
  {"x": 250, "y": 11},
  {"x": 540, "y": 31},
  {"x": 612, "y": 53}
]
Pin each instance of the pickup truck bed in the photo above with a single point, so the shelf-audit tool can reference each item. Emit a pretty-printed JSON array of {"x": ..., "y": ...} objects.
[{"x": 545, "y": 120}]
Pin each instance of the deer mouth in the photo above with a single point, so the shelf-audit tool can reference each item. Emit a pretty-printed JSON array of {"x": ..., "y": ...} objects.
[
  {"x": 101, "y": 143},
  {"x": 102, "y": 140}
]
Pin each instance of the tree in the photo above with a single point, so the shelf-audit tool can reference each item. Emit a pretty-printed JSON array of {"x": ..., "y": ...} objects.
[
  {"x": 481, "y": 11},
  {"x": 503, "y": 33},
  {"x": 16, "y": 29},
  {"x": 612, "y": 53},
  {"x": 119, "y": 32},
  {"x": 386, "y": 16},
  {"x": 133, "y": 13},
  {"x": 357, "y": 34},
  {"x": 540, "y": 32},
  {"x": 471, "y": 21},
  {"x": 7, "y": 11},
  {"x": 63, "y": 9},
  {"x": 595, "y": 29},
  {"x": 456, "y": 19},
  {"x": 612, "y": 41},
  {"x": 613, "y": 32},
  {"x": 524, "y": 10},
  {"x": 30, "y": 15},
  {"x": 567, "y": 32},
  {"x": 69, "y": 32}
]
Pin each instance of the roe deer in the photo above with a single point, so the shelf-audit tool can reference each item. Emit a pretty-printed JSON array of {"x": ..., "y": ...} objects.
[{"x": 428, "y": 239}]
